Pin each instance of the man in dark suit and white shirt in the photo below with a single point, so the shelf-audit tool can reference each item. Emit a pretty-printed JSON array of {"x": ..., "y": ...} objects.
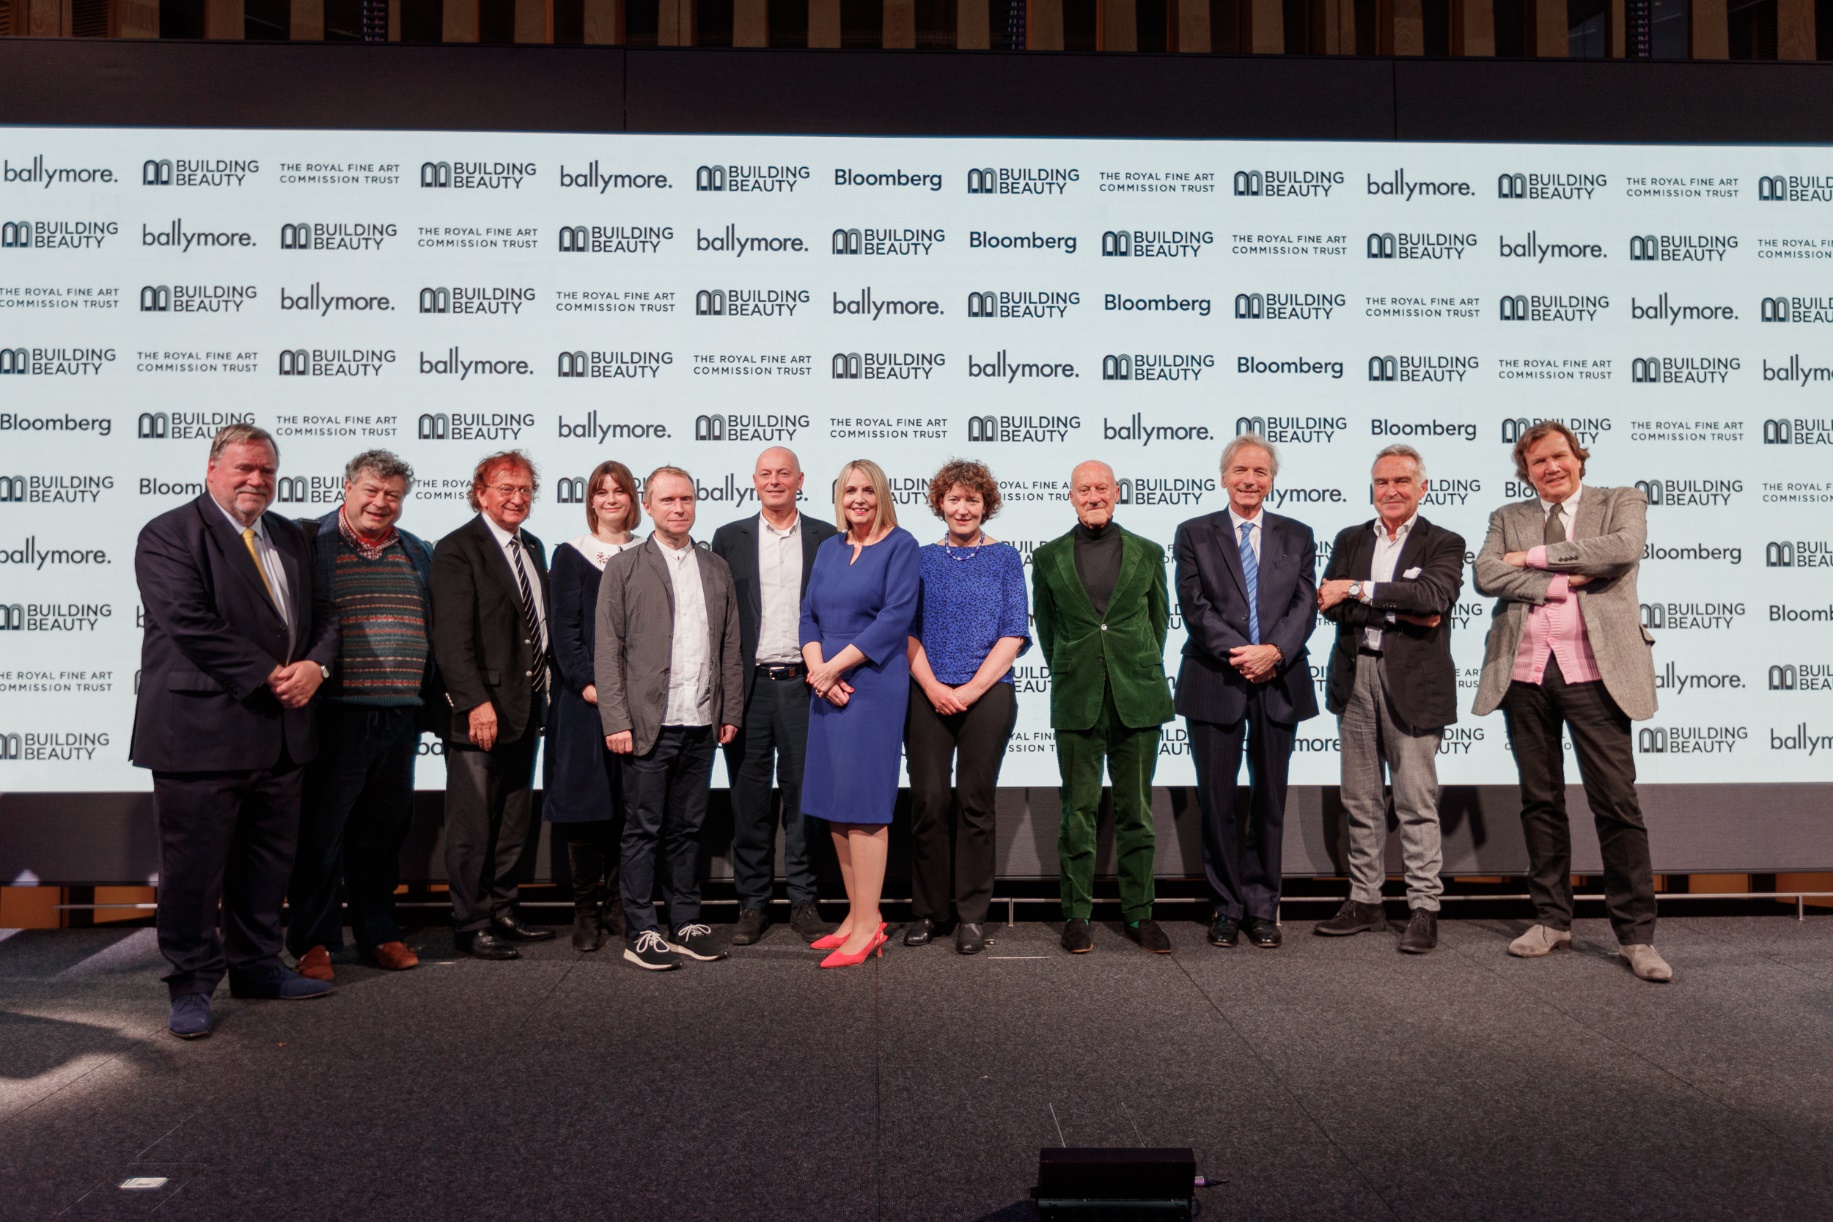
[
  {"x": 1390, "y": 586},
  {"x": 1247, "y": 588},
  {"x": 238, "y": 639},
  {"x": 492, "y": 647},
  {"x": 771, "y": 556},
  {"x": 669, "y": 688}
]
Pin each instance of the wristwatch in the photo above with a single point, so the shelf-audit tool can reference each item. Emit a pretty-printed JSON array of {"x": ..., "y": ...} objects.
[
  {"x": 1355, "y": 589},
  {"x": 324, "y": 670}
]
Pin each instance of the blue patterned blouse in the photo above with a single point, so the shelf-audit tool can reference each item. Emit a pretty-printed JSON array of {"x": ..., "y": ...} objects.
[{"x": 971, "y": 598}]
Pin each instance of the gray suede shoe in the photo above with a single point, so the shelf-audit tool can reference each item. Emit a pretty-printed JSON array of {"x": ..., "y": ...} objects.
[
  {"x": 1646, "y": 962},
  {"x": 1540, "y": 940}
]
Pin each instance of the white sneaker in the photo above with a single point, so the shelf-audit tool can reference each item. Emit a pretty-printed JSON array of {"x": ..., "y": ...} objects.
[
  {"x": 1646, "y": 962},
  {"x": 1540, "y": 940}
]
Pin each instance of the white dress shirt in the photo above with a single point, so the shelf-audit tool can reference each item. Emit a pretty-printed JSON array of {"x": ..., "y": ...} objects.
[
  {"x": 1253, "y": 536},
  {"x": 779, "y": 589},
  {"x": 502, "y": 538},
  {"x": 690, "y": 675},
  {"x": 269, "y": 556},
  {"x": 1387, "y": 556}
]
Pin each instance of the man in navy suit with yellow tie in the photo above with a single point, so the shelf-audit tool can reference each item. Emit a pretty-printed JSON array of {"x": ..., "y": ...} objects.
[
  {"x": 238, "y": 640},
  {"x": 1248, "y": 593}
]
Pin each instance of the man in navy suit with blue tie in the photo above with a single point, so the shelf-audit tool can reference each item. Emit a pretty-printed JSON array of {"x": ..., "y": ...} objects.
[
  {"x": 1248, "y": 594},
  {"x": 238, "y": 639}
]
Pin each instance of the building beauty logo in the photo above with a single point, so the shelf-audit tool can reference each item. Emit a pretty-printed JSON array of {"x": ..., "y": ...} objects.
[
  {"x": 1441, "y": 246},
  {"x": 614, "y": 239},
  {"x": 1567, "y": 307},
  {"x": 1533, "y": 249},
  {"x": 195, "y": 298},
  {"x": 748, "y": 427},
  {"x": 886, "y": 366},
  {"x": 1163, "y": 489},
  {"x": 476, "y": 175},
  {"x": 1586, "y": 428},
  {"x": 475, "y": 299},
  {"x": 596, "y": 180},
  {"x": 1681, "y": 247},
  {"x": 1674, "y": 493},
  {"x": 1799, "y": 554},
  {"x": 52, "y": 746},
  {"x": 1550, "y": 186},
  {"x": 1155, "y": 243},
  {"x": 870, "y": 305},
  {"x": 186, "y": 426},
  {"x": 769, "y": 179},
  {"x": 1420, "y": 368},
  {"x": 596, "y": 364},
  {"x": 1683, "y": 370},
  {"x": 1798, "y": 432},
  {"x": 54, "y": 489},
  {"x": 203, "y": 172},
  {"x": 335, "y": 362},
  {"x": 887, "y": 241},
  {"x": 53, "y": 617},
  {"x": 1795, "y": 189},
  {"x": 1288, "y": 307},
  {"x": 1797, "y": 309},
  {"x": 40, "y": 173},
  {"x": 1022, "y": 180},
  {"x": 474, "y": 426},
  {"x": 54, "y": 362},
  {"x": 1028, "y": 430},
  {"x": 749, "y": 303},
  {"x": 1022, "y": 303},
  {"x": 336, "y": 235},
  {"x": 1690, "y": 740},
  {"x": 1297, "y": 430},
  {"x": 1287, "y": 184},
  {"x": 56, "y": 235},
  {"x": 1690, "y": 617},
  {"x": 1155, "y": 366}
]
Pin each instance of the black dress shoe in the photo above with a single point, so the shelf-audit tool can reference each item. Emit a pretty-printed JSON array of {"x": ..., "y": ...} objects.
[
  {"x": 588, "y": 935},
  {"x": 919, "y": 932},
  {"x": 1224, "y": 931},
  {"x": 1150, "y": 937},
  {"x": 1076, "y": 938},
  {"x": 485, "y": 945},
  {"x": 751, "y": 926},
  {"x": 512, "y": 930},
  {"x": 1352, "y": 917},
  {"x": 806, "y": 920},
  {"x": 970, "y": 938},
  {"x": 1261, "y": 932},
  {"x": 1422, "y": 933}
]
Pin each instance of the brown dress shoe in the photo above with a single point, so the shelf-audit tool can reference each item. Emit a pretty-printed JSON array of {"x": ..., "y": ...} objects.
[
  {"x": 315, "y": 964},
  {"x": 394, "y": 957}
]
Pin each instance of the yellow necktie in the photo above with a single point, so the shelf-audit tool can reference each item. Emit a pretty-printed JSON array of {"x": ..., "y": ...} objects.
[{"x": 248, "y": 537}]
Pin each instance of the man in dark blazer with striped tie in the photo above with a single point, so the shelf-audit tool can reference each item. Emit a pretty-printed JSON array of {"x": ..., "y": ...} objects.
[
  {"x": 1247, "y": 588},
  {"x": 491, "y": 644},
  {"x": 238, "y": 639}
]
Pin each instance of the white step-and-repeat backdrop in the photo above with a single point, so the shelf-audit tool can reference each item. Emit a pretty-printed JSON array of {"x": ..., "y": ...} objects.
[{"x": 1030, "y": 303}]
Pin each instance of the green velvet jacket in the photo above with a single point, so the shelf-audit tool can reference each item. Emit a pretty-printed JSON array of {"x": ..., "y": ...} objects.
[{"x": 1087, "y": 652}]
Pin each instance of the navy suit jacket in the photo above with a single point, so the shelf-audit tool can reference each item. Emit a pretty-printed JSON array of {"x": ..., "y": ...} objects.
[
  {"x": 736, "y": 544},
  {"x": 212, "y": 638},
  {"x": 1212, "y": 596}
]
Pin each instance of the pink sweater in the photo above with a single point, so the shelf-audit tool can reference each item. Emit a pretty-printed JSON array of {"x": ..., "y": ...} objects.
[{"x": 1557, "y": 629}]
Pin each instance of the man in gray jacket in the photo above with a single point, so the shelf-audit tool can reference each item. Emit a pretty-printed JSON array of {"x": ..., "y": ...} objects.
[
  {"x": 1567, "y": 653},
  {"x": 670, "y": 687}
]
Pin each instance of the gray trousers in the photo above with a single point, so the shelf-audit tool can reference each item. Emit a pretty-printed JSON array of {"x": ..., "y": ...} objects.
[{"x": 1371, "y": 736}]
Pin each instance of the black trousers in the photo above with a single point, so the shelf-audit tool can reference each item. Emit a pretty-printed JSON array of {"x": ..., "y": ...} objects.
[
  {"x": 490, "y": 827},
  {"x": 772, "y": 743},
  {"x": 359, "y": 805},
  {"x": 971, "y": 745},
  {"x": 665, "y": 795},
  {"x": 1243, "y": 869},
  {"x": 1536, "y": 715},
  {"x": 225, "y": 840}
]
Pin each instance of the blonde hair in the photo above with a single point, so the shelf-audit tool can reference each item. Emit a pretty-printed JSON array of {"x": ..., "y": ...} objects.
[{"x": 886, "y": 517}]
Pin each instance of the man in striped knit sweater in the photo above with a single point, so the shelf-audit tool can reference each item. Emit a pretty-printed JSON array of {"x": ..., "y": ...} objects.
[{"x": 359, "y": 792}]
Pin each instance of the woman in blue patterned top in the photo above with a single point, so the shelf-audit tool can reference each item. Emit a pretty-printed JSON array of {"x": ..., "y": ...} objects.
[{"x": 971, "y": 624}]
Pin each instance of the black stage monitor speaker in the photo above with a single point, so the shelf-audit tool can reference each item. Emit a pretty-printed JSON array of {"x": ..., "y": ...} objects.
[{"x": 1109, "y": 1184}]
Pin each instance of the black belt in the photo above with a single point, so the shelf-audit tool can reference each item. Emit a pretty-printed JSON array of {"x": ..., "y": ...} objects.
[
  {"x": 1364, "y": 651},
  {"x": 782, "y": 670}
]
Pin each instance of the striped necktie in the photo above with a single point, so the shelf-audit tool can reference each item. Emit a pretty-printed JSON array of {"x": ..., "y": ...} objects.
[
  {"x": 1250, "y": 568},
  {"x": 528, "y": 613}
]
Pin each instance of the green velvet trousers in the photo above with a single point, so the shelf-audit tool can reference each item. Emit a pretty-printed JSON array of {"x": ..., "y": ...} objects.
[{"x": 1130, "y": 757}]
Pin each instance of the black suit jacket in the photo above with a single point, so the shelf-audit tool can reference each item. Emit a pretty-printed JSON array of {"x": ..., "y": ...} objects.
[
  {"x": 736, "y": 544},
  {"x": 1212, "y": 595},
  {"x": 1416, "y": 665},
  {"x": 212, "y": 638},
  {"x": 481, "y": 642}
]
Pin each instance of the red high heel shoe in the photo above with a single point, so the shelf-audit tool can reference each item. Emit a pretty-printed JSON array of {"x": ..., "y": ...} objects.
[
  {"x": 834, "y": 941},
  {"x": 841, "y": 959}
]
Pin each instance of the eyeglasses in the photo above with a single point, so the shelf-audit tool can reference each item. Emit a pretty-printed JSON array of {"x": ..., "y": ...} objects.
[{"x": 513, "y": 490}]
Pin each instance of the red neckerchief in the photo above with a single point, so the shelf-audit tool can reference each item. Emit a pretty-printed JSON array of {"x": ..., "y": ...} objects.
[{"x": 364, "y": 548}]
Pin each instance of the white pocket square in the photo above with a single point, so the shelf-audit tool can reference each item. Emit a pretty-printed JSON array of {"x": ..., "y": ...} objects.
[{"x": 1411, "y": 573}]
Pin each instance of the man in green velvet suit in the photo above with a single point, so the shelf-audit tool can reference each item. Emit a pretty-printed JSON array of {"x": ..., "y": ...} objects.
[{"x": 1099, "y": 598}]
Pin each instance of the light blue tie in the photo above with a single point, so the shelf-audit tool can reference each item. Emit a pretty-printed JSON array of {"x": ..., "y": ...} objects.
[{"x": 1250, "y": 568}]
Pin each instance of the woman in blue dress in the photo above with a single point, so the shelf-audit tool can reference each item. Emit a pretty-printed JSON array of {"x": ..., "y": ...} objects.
[{"x": 856, "y": 616}]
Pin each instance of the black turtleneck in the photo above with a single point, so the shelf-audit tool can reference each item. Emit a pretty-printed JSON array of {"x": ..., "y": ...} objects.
[{"x": 1098, "y": 562}]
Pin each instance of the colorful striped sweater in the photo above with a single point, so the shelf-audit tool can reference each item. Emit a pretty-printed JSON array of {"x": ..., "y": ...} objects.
[{"x": 382, "y": 611}]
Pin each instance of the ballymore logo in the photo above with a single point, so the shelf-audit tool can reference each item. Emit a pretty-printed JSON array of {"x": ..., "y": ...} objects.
[
  {"x": 1003, "y": 368},
  {"x": 1663, "y": 310},
  {"x": 872, "y": 306},
  {"x": 198, "y": 172},
  {"x": 1532, "y": 248},
  {"x": 1135, "y": 428},
  {"x": 1795, "y": 189},
  {"x": 1550, "y": 186},
  {"x": 315, "y": 300},
  {"x": 1681, "y": 247},
  {"x": 598, "y": 364},
  {"x": 729, "y": 242},
  {"x": 1798, "y": 432},
  {"x": 1022, "y": 303},
  {"x": 1022, "y": 180},
  {"x": 1027, "y": 430},
  {"x": 335, "y": 362},
  {"x": 195, "y": 298},
  {"x": 749, "y": 303},
  {"x": 1155, "y": 366},
  {"x": 56, "y": 235},
  {"x": 475, "y": 299},
  {"x": 476, "y": 175},
  {"x": 598, "y": 431},
  {"x": 1441, "y": 246},
  {"x": 887, "y": 241},
  {"x": 1797, "y": 309},
  {"x": 1683, "y": 370},
  {"x": 614, "y": 239},
  {"x": 176, "y": 237},
  {"x": 1420, "y": 368},
  {"x": 592, "y": 178},
  {"x": 1155, "y": 243},
  {"x": 450, "y": 364},
  {"x": 40, "y": 173},
  {"x": 54, "y": 362},
  {"x": 1556, "y": 307},
  {"x": 1288, "y": 307},
  {"x": 886, "y": 366},
  {"x": 1286, "y": 184},
  {"x": 336, "y": 235},
  {"x": 1796, "y": 372},
  {"x": 1679, "y": 493},
  {"x": 1399, "y": 186},
  {"x": 769, "y": 179}
]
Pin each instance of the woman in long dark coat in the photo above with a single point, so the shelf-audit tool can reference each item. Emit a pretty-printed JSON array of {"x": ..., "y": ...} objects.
[{"x": 584, "y": 793}]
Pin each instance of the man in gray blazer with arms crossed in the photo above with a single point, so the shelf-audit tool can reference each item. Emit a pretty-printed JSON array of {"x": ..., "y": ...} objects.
[
  {"x": 669, "y": 688},
  {"x": 1567, "y": 652}
]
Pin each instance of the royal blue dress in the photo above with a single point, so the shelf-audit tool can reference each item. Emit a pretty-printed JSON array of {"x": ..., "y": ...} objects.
[{"x": 850, "y": 773}]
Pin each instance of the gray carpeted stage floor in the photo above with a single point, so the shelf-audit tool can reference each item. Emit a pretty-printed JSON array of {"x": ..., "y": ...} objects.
[{"x": 1328, "y": 1079}]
